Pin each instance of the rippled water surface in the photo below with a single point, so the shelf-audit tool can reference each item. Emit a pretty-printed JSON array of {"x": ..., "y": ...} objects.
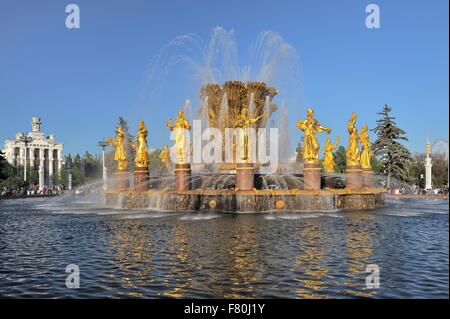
[{"x": 137, "y": 253}]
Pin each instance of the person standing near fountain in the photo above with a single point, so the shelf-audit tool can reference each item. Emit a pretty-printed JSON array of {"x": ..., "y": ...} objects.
[
  {"x": 353, "y": 156},
  {"x": 120, "y": 156},
  {"x": 245, "y": 166},
  {"x": 366, "y": 155},
  {"x": 181, "y": 128},
  {"x": 141, "y": 174},
  {"x": 311, "y": 171}
]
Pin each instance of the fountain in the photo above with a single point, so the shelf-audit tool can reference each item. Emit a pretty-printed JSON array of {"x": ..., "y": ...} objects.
[
  {"x": 240, "y": 98},
  {"x": 241, "y": 186}
]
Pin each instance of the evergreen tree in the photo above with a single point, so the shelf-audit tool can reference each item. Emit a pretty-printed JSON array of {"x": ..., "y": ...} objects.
[
  {"x": 78, "y": 177},
  {"x": 92, "y": 166},
  {"x": 339, "y": 160},
  {"x": 394, "y": 156},
  {"x": 3, "y": 166}
]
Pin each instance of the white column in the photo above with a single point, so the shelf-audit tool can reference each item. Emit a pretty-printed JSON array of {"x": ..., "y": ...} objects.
[
  {"x": 50, "y": 167},
  {"x": 11, "y": 154},
  {"x": 21, "y": 156},
  {"x": 59, "y": 160},
  {"x": 428, "y": 166},
  {"x": 31, "y": 150},
  {"x": 41, "y": 169}
]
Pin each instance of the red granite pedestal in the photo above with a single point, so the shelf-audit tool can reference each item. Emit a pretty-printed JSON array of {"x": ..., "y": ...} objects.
[
  {"x": 141, "y": 178},
  {"x": 120, "y": 180},
  {"x": 245, "y": 176},
  {"x": 182, "y": 176},
  {"x": 311, "y": 175},
  {"x": 354, "y": 178},
  {"x": 367, "y": 177}
]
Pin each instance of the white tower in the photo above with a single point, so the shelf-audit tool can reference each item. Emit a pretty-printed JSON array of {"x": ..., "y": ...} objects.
[{"x": 428, "y": 168}]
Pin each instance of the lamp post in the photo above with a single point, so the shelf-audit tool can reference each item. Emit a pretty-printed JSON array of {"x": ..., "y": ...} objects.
[
  {"x": 25, "y": 140},
  {"x": 103, "y": 144}
]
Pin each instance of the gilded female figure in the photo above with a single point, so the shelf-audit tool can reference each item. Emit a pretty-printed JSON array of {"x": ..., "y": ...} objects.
[
  {"x": 353, "y": 154},
  {"x": 120, "y": 154},
  {"x": 180, "y": 128},
  {"x": 328, "y": 158},
  {"x": 141, "y": 159},
  {"x": 310, "y": 126},
  {"x": 244, "y": 122},
  {"x": 366, "y": 153}
]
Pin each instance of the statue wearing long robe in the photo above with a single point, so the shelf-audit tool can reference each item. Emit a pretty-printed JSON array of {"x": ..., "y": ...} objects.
[
  {"x": 244, "y": 122},
  {"x": 310, "y": 126},
  {"x": 353, "y": 155},
  {"x": 164, "y": 156},
  {"x": 366, "y": 153},
  {"x": 120, "y": 155},
  {"x": 328, "y": 156},
  {"x": 180, "y": 128},
  {"x": 141, "y": 159}
]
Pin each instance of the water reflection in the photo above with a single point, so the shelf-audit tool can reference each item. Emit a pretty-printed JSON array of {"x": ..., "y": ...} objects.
[
  {"x": 202, "y": 255},
  {"x": 308, "y": 265}
]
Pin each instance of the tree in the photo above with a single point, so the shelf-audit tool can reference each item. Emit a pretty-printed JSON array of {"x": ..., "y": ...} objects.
[
  {"x": 439, "y": 171},
  {"x": 339, "y": 160},
  {"x": 77, "y": 171},
  {"x": 92, "y": 166},
  {"x": 4, "y": 167},
  {"x": 154, "y": 162},
  {"x": 394, "y": 157}
]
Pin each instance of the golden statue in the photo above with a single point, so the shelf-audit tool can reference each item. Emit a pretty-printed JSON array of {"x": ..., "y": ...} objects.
[
  {"x": 164, "y": 156},
  {"x": 244, "y": 122},
  {"x": 141, "y": 159},
  {"x": 328, "y": 156},
  {"x": 366, "y": 153},
  {"x": 353, "y": 154},
  {"x": 120, "y": 154},
  {"x": 179, "y": 127},
  {"x": 310, "y": 126}
]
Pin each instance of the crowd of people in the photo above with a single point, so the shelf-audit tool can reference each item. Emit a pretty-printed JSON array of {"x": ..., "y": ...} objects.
[
  {"x": 32, "y": 189},
  {"x": 417, "y": 190}
]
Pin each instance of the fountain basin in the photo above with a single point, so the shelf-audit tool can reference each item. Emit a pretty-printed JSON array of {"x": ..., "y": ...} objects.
[{"x": 253, "y": 201}]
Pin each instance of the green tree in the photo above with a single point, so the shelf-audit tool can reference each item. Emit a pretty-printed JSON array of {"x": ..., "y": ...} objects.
[
  {"x": 77, "y": 171},
  {"x": 339, "y": 160},
  {"x": 5, "y": 167},
  {"x": 416, "y": 170},
  {"x": 439, "y": 171},
  {"x": 154, "y": 162},
  {"x": 377, "y": 167},
  {"x": 92, "y": 166},
  {"x": 32, "y": 175},
  {"x": 394, "y": 157}
]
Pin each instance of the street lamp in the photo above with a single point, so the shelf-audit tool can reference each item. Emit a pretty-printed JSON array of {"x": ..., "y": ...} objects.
[
  {"x": 103, "y": 144},
  {"x": 25, "y": 140}
]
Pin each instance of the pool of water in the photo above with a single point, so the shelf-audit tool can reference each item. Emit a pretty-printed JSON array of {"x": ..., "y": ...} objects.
[{"x": 150, "y": 254}]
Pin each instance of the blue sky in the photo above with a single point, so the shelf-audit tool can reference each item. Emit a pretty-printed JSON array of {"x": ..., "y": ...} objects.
[{"x": 80, "y": 80}]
